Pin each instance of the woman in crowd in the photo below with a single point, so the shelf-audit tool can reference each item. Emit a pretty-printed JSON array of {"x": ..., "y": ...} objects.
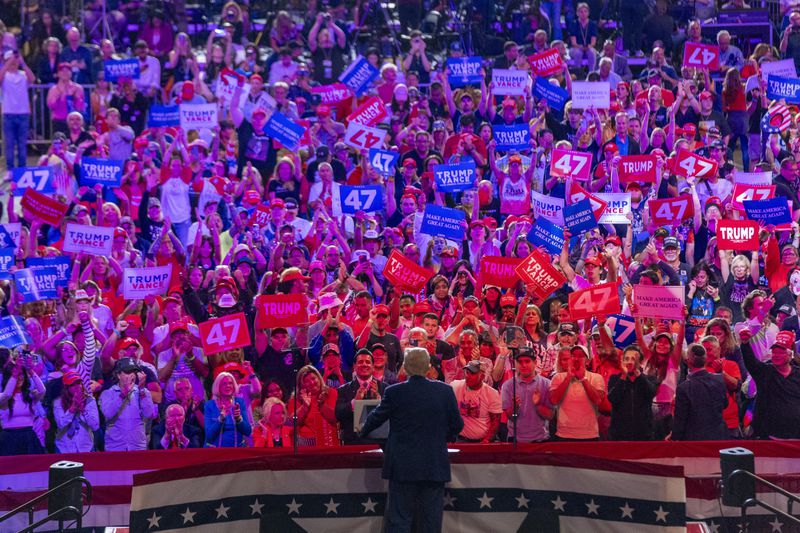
[
  {"x": 272, "y": 431},
  {"x": 76, "y": 416},
  {"x": 315, "y": 410},
  {"x": 227, "y": 424},
  {"x": 20, "y": 407}
]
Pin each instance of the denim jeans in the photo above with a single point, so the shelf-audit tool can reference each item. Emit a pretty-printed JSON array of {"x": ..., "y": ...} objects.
[
  {"x": 15, "y": 131},
  {"x": 553, "y": 11}
]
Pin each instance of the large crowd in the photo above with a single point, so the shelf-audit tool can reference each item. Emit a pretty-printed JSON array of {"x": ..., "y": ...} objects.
[{"x": 240, "y": 220}]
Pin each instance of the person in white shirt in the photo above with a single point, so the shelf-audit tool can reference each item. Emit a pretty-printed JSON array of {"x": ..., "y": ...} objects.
[
  {"x": 479, "y": 405},
  {"x": 149, "y": 82},
  {"x": 15, "y": 77}
]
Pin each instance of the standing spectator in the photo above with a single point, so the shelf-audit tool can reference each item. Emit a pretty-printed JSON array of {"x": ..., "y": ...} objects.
[
  {"x": 76, "y": 416},
  {"x": 699, "y": 401},
  {"x": 118, "y": 138},
  {"x": 578, "y": 393},
  {"x": 64, "y": 97},
  {"x": 127, "y": 408},
  {"x": 479, "y": 405},
  {"x": 149, "y": 82},
  {"x": 47, "y": 62},
  {"x": 226, "y": 423},
  {"x": 631, "y": 395},
  {"x": 730, "y": 57},
  {"x": 15, "y": 77},
  {"x": 423, "y": 416},
  {"x": 583, "y": 39},
  {"x": 327, "y": 42},
  {"x": 790, "y": 39},
  {"x": 78, "y": 57},
  {"x": 363, "y": 387},
  {"x": 157, "y": 35},
  {"x": 315, "y": 410},
  {"x": 734, "y": 104},
  {"x": 534, "y": 409},
  {"x": 22, "y": 391}
]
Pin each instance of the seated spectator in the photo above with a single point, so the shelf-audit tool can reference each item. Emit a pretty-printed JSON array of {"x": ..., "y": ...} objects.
[{"x": 174, "y": 433}]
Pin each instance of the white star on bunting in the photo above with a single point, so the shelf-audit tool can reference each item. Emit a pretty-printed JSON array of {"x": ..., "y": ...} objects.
[
  {"x": 776, "y": 525},
  {"x": 627, "y": 511},
  {"x": 522, "y": 501},
  {"x": 558, "y": 503},
  {"x": 485, "y": 500},
  {"x": 294, "y": 507},
  {"x": 188, "y": 516},
  {"x": 369, "y": 505},
  {"x": 256, "y": 507},
  {"x": 661, "y": 514},
  {"x": 592, "y": 507},
  {"x": 331, "y": 507},
  {"x": 449, "y": 500},
  {"x": 713, "y": 527},
  {"x": 154, "y": 520},
  {"x": 222, "y": 511}
]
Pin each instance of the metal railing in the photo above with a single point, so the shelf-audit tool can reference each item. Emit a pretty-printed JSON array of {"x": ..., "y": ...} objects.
[
  {"x": 755, "y": 502},
  {"x": 65, "y": 513}
]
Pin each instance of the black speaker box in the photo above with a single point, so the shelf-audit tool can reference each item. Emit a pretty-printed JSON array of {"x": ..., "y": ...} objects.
[
  {"x": 735, "y": 492},
  {"x": 61, "y": 472}
]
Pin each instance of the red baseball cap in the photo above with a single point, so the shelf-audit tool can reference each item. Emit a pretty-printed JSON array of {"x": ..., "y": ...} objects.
[
  {"x": 127, "y": 342},
  {"x": 381, "y": 309},
  {"x": 70, "y": 377},
  {"x": 593, "y": 260},
  {"x": 784, "y": 339},
  {"x": 422, "y": 308},
  {"x": 134, "y": 321},
  {"x": 508, "y": 299}
]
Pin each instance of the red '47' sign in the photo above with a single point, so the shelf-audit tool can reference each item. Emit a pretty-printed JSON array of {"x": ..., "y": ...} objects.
[
  {"x": 363, "y": 137},
  {"x": 566, "y": 163},
  {"x": 224, "y": 333},
  {"x": 698, "y": 55},
  {"x": 743, "y": 192},
  {"x": 598, "y": 300},
  {"x": 689, "y": 164},
  {"x": 671, "y": 211}
]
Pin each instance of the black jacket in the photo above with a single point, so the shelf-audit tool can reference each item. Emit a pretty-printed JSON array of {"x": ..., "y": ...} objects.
[
  {"x": 344, "y": 410},
  {"x": 631, "y": 407},
  {"x": 699, "y": 402}
]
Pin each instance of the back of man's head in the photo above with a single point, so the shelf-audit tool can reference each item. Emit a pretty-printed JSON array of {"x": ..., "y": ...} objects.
[
  {"x": 696, "y": 357},
  {"x": 416, "y": 361}
]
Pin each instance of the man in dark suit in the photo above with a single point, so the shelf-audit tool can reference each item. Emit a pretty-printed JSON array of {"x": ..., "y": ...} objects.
[
  {"x": 174, "y": 433},
  {"x": 699, "y": 401},
  {"x": 363, "y": 387},
  {"x": 423, "y": 416}
]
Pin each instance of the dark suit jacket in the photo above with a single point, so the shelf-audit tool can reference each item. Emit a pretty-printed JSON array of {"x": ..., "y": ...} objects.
[
  {"x": 699, "y": 402},
  {"x": 190, "y": 432},
  {"x": 344, "y": 411},
  {"x": 423, "y": 416}
]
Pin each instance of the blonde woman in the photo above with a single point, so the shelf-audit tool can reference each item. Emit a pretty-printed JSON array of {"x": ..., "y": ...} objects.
[
  {"x": 226, "y": 423},
  {"x": 272, "y": 431},
  {"x": 315, "y": 409}
]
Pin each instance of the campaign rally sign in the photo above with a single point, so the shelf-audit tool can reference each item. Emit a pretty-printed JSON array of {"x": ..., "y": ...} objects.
[
  {"x": 696, "y": 55},
  {"x": 6, "y": 262},
  {"x": 226, "y": 86},
  {"x": 671, "y": 211},
  {"x": 784, "y": 69},
  {"x": 198, "y": 116},
  {"x": 597, "y": 300},
  {"x": 93, "y": 240},
  {"x": 555, "y": 96},
  {"x": 402, "y": 272},
  {"x": 509, "y": 82},
  {"x": 39, "y": 179},
  {"x": 638, "y": 168},
  {"x": 741, "y": 235},
  {"x": 454, "y": 177},
  {"x": 10, "y": 234},
  {"x": 261, "y": 216},
  {"x": 363, "y": 137},
  {"x": 224, "y": 333},
  {"x": 50, "y": 210},
  {"x": 332, "y": 94},
  {"x": 35, "y": 285},
  {"x": 164, "y": 116},
  {"x": 752, "y": 178},
  {"x": 743, "y": 192},
  {"x": 618, "y": 207},
  {"x": 545, "y": 233},
  {"x": 383, "y": 161},
  {"x": 282, "y": 129},
  {"x": 659, "y": 301},
  {"x": 355, "y": 198},
  {"x": 499, "y": 271},
  {"x": 464, "y": 71},
  {"x": 787, "y": 89},
  {"x": 546, "y": 63},
  {"x": 138, "y": 283},
  {"x": 587, "y": 94},
  {"x": 623, "y": 330},
  {"x": 61, "y": 263},
  {"x": 567, "y": 163},
  {"x": 579, "y": 217},
  {"x": 443, "y": 222},
  {"x": 370, "y": 113},
  {"x": 774, "y": 211},
  {"x": 514, "y": 137},
  {"x": 548, "y": 207},
  {"x": 578, "y": 193},
  {"x": 688, "y": 164},
  {"x": 106, "y": 172},
  {"x": 358, "y": 76},
  {"x": 537, "y": 270},
  {"x": 280, "y": 311},
  {"x": 115, "y": 69},
  {"x": 13, "y": 332}
]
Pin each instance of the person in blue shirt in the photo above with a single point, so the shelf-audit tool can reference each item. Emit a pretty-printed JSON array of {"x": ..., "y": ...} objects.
[
  {"x": 583, "y": 39},
  {"x": 226, "y": 423}
]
